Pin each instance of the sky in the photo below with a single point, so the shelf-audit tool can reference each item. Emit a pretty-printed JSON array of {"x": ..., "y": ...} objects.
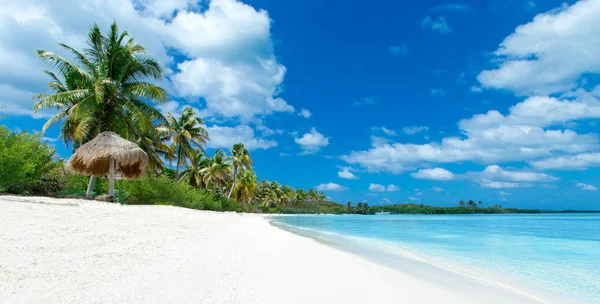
[{"x": 428, "y": 102}]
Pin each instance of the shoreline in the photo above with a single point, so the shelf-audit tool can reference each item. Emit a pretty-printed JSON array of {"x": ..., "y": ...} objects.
[
  {"x": 65, "y": 251},
  {"x": 404, "y": 260}
]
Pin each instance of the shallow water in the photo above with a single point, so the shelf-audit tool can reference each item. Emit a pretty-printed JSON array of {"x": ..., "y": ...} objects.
[{"x": 557, "y": 255}]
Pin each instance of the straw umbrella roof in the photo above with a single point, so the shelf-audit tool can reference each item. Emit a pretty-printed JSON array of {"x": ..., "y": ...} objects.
[{"x": 93, "y": 158}]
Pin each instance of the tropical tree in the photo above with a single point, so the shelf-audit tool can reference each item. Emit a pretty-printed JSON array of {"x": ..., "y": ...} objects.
[
  {"x": 240, "y": 160},
  {"x": 246, "y": 187},
  {"x": 192, "y": 173},
  {"x": 217, "y": 171},
  {"x": 187, "y": 133},
  {"x": 301, "y": 197},
  {"x": 287, "y": 195},
  {"x": 313, "y": 195},
  {"x": 103, "y": 89},
  {"x": 461, "y": 203}
]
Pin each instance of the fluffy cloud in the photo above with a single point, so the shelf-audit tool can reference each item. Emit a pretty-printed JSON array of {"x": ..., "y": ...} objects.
[
  {"x": 586, "y": 187},
  {"x": 305, "y": 113},
  {"x": 570, "y": 162},
  {"x": 226, "y": 137},
  {"x": 229, "y": 61},
  {"x": 346, "y": 174},
  {"x": 330, "y": 187},
  {"x": 549, "y": 54},
  {"x": 503, "y": 193},
  {"x": 384, "y": 130},
  {"x": 414, "y": 129},
  {"x": 497, "y": 178},
  {"x": 522, "y": 135},
  {"x": 376, "y": 188},
  {"x": 312, "y": 142},
  {"x": 401, "y": 49},
  {"x": 435, "y": 174},
  {"x": 382, "y": 188},
  {"x": 392, "y": 188},
  {"x": 437, "y": 25}
]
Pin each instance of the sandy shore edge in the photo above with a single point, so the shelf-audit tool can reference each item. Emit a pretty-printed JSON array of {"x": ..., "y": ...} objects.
[{"x": 68, "y": 251}]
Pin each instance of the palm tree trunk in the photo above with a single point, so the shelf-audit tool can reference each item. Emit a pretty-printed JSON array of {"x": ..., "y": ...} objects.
[
  {"x": 178, "y": 162},
  {"x": 234, "y": 181},
  {"x": 90, "y": 187}
]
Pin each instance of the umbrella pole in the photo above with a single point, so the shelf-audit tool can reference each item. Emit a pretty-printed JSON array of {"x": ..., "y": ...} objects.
[
  {"x": 90, "y": 188},
  {"x": 111, "y": 189}
]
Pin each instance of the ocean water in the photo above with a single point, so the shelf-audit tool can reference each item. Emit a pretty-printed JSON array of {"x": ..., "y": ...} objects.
[{"x": 554, "y": 256}]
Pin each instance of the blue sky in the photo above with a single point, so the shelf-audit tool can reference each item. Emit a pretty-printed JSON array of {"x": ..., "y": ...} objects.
[{"x": 387, "y": 102}]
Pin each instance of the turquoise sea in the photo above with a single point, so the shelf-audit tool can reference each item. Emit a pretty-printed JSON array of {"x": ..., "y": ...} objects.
[{"x": 553, "y": 256}]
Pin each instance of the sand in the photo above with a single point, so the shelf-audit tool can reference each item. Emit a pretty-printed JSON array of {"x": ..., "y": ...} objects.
[{"x": 77, "y": 251}]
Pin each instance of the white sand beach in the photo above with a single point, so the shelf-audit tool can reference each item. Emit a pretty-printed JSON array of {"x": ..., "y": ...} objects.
[{"x": 76, "y": 251}]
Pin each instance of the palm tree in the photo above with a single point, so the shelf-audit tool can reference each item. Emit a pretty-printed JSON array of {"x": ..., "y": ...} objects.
[
  {"x": 461, "y": 203},
  {"x": 192, "y": 172},
  {"x": 217, "y": 171},
  {"x": 301, "y": 197},
  {"x": 287, "y": 195},
  {"x": 240, "y": 159},
  {"x": 246, "y": 188},
  {"x": 313, "y": 195},
  {"x": 188, "y": 132},
  {"x": 103, "y": 89}
]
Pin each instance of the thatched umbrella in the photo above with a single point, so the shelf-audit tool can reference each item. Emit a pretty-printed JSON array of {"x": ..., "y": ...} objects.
[{"x": 103, "y": 154}]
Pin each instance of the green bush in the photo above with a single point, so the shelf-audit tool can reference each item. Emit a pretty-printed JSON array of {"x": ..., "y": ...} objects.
[{"x": 24, "y": 159}]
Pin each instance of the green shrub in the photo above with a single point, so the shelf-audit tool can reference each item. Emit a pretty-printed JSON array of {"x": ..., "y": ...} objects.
[{"x": 24, "y": 159}]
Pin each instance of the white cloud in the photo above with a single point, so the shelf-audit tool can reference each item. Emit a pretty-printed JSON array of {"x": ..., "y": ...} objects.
[
  {"x": 400, "y": 49},
  {"x": 382, "y": 188},
  {"x": 500, "y": 185},
  {"x": 569, "y": 162},
  {"x": 305, "y": 113},
  {"x": 436, "y": 189},
  {"x": 14, "y": 101},
  {"x": 494, "y": 172},
  {"x": 475, "y": 89},
  {"x": 461, "y": 7},
  {"x": 412, "y": 198},
  {"x": 312, "y": 142},
  {"x": 414, "y": 129},
  {"x": 376, "y": 188},
  {"x": 497, "y": 178},
  {"x": 438, "y": 25},
  {"x": 226, "y": 137},
  {"x": 527, "y": 133},
  {"x": 346, "y": 174},
  {"x": 503, "y": 193},
  {"x": 330, "y": 187},
  {"x": 586, "y": 187},
  {"x": 392, "y": 188},
  {"x": 384, "y": 130},
  {"x": 435, "y": 174},
  {"x": 549, "y": 54},
  {"x": 229, "y": 58}
]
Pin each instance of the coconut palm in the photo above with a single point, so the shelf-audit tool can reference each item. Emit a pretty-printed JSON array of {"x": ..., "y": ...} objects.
[
  {"x": 103, "y": 89},
  {"x": 287, "y": 195},
  {"x": 188, "y": 133},
  {"x": 192, "y": 173},
  {"x": 246, "y": 187},
  {"x": 240, "y": 160},
  {"x": 217, "y": 171}
]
